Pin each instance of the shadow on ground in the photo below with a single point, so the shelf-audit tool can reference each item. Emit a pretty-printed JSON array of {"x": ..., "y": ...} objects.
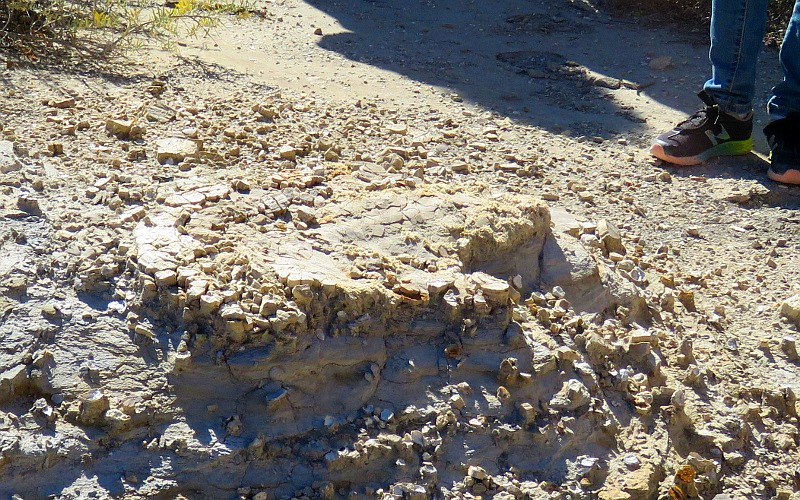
[{"x": 547, "y": 63}]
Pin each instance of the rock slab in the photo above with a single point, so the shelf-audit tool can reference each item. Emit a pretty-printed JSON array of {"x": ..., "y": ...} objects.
[
  {"x": 8, "y": 159},
  {"x": 175, "y": 149},
  {"x": 791, "y": 308}
]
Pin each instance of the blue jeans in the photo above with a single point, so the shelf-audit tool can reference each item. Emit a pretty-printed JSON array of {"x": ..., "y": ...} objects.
[{"x": 737, "y": 32}]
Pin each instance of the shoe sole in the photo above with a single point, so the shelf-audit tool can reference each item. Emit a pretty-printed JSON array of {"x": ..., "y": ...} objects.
[
  {"x": 732, "y": 148},
  {"x": 791, "y": 176}
]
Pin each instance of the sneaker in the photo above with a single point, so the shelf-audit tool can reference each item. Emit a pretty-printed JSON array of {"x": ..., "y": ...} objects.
[
  {"x": 707, "y": 133},
  {"x": 784, "y": 143}
]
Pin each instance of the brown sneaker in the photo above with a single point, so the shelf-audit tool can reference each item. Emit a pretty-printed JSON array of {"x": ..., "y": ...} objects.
[{"x": 706, "y": 134}]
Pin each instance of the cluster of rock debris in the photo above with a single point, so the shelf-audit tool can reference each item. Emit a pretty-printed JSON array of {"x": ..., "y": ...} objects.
[{"x": 269, "y": 296}]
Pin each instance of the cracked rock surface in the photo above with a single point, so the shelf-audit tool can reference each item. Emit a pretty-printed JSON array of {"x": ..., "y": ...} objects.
[{"x": 366, "y": 275}]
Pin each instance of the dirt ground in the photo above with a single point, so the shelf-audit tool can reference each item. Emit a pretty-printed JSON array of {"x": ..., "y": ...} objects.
[{"x": 369, "y": 249}]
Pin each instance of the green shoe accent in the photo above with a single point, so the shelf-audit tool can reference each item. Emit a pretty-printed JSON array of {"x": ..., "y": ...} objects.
[{"x": 730, "y": 148}]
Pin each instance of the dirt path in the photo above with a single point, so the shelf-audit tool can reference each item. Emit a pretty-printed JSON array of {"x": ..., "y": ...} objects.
[{"x": 364, "y": 249}]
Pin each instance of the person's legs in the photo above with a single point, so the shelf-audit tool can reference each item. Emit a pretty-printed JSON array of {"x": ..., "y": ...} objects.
[
  {"x": 783, "y": 132},
  {"x": 737, "y": 34},
  {"x": 786, "y": 95},
  {"x": 725, "y": 125}
]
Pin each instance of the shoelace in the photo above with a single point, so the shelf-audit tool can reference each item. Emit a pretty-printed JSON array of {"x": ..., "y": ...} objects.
[{"x": 699, "y": 117}]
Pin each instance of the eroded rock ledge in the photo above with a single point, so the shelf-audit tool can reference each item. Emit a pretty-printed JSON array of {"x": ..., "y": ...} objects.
[{"x": 384, "y": 312}]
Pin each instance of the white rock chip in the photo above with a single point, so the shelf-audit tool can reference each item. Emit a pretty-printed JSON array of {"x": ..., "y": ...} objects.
[{"x": 8, "y": 159}]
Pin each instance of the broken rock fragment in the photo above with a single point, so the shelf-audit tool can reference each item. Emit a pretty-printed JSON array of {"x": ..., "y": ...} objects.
[
  {"x": 62, "y": 102},
  {"x": 29, "y": 204},
  {"x": 8, "y": 159},
  {"x": 13, "y": 381},
  {"x": 160, "y": 113},
  {"x": 175, "y": 149},
  {"x": 790, "y": 309},
  {"x": 119, "y": 128},
  {"x": 287, "y": 152},
  {"x": 573, "y": 395},
  {"x": 397, "y": 128},
  {"x": 93, "y": 407},
  {"x": 495, "y": 290},
  {"x": 789, "y": 347},
  {"x": 610, "y": 236},
  {"x": 510, "y": 375}
]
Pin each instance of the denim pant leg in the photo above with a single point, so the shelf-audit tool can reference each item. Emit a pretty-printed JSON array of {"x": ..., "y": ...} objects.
[
  {"x": 786, "y": 95},
  {"x": 737, "y": 33}
]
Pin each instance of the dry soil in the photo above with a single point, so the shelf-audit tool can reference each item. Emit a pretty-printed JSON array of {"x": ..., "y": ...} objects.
[{"x": 369, "y": 249}]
